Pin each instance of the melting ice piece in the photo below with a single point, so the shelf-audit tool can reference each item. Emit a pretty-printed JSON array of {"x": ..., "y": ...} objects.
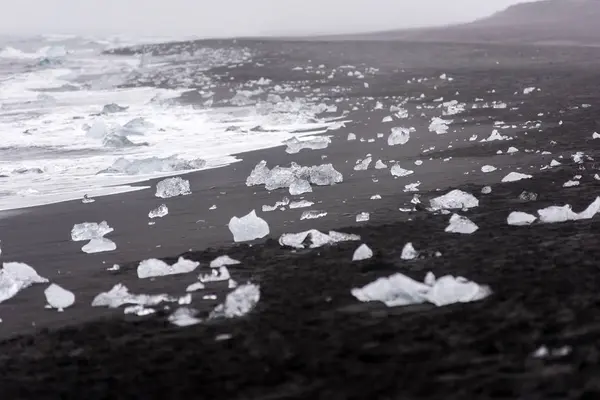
[
  {"x": 363, "y": 217},
  {"x": 351, "y": 136},
  {"x": 248, "y": 227},
  {"x": 294, "y": 145},
  {"x": 561, "y": 214},
  {"x": 312, "y": 215},
  {"x": 184, "y": 316},
  {"x": 398, "y": 136},
  {"x": 528, "y": 90},
  {"x": 195, "y": 286},
  {"x": 380, "y": 165},
  {"x": 453, "y": 200},
  {"x": 300, "y": 186},
  {"x": 222, "y": 261},
  {"x": 172, "y": 187},
  {"x": 460, "y": 224},
  {"x": 139, "y": 310},
  {"x": 486, "y": 190},
  {"x": 595, "y": 135},
  {"x": 512, "y": 150},
  {"x": 238, "y": 303},
  {"x": 152, "y": 268},
  {"x": 99, "y": 245},
  {"x": 119, "y": 295},
  {"x": 571, "y": 183},
  {"x": 519, "y": 218},
  {"x": 376, "y": 197},
  {"x": 159, "y": 212},
  {"x": 495, "y": 136},
  {"x": 313, "y": 239},
  {"x": 89, "y": 230},
  {"x": 16, "y": 276},
  {"x": 363, "y": 252},
  {"x": 409, "y": 252},
  {"x": 113, "y": 108},
  {"x": 397, "y": 170},
  {"x": 216, "y": 275},
  {"x": 450, "y": 290},
  {"x": 395, "y": 290},
  {"x": 284, "y": 202},
  {"x": 412, "y": 187},
  {"x": 301, "y": 204},
  {"x": 439, "y": 125},
  {"x": 59, "y": 298},
  {"x": 363, "y": 165},
  {"x": 515, "y": 176},
  {"x": 554, "y": 163},
  {"x": 488, "y": 168},
  {"x": 87, "y": 200}
]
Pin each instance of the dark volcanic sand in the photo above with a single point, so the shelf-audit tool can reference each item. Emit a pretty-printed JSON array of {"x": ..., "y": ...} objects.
[{"x": 308, "y": 337}]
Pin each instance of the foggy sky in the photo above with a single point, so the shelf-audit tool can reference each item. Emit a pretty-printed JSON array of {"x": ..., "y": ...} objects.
[{"x": 211, "y": 18}]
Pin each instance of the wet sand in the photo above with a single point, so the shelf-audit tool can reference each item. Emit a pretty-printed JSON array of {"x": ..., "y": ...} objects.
[{"x": 308, "y": 337}]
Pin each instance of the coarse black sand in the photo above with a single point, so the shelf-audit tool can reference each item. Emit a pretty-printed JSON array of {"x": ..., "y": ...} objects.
[{"x": 308, "y": 337}]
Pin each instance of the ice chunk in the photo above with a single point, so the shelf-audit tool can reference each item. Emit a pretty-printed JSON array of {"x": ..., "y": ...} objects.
[
  {"x": 409, "y": 252},
  {"x": 184, "y": 316},
  {"x": 248, "y": 227},
  {"x": 216, "y": 275},
  {"x": 488, "y": 168},
  {"x": 294, "y": 145},
  {"x": 515, "y": 176},
  {"x": 528, "y": 196},
  {"x": 363, "y": 165},
  {"x": 528, "y": 90},
  {"x": 412, "y": 187},
  {"x": 362, "y": 217},
  {"x": 486, "y": 190},
  {"x": 284, "y": 202},
  {"x": 312, "y": 215},
  {"x": 324, "y": 175},
  {"x": 554, "y": 163},
  {"x": 439, "y": 125},
  {"x": 395, "y": 290},
  {"x": 89, "y": 230},
  {"x": 363, "y": 252},
  {"x": 280, "y": 177},
  {"x": 571, "y": 183},
  {"x": 495, "y": 136},
  {"x": 519, "y": 218},
  {"x": 258, "y": 175},
  {"x": 117, "y": 141},
  {"x": 512, "y": 150},
  {"x": 223, "y": 261},
  {"x": 172, "y": 187},
  {"x": 397, "y": 170},
  {"x": 138, "y": 310},
  {"x": 595, "y": 135},
  {"x": 159, "y": 212},
  {"x": 460, "y": 224},
  {"x": 238, "y": 303},
  {"x": 195, "y": 286},
  {"x": 300, "y": 186},
  {"x": 376, "y": 197},
  {"x": 453, "y": 200},
  {"x": 59, "y": 298},
  {"x": 16, "y": 276},
  {"x": 398, "y": 136},
  {"x": 152, "y": 267},
  {"x": 301, "y": 204},
  {"x": 152, "y": 165},
  {"x": 313, "y": 239},
  {"x": 119, "y": 295},
  {"x": 450, "y": 290},
  {"x": 351, "y": 136},
  {"x": 99, "y": 245},
  {"x": 554, "y": 214},
  {"x": 137, "y": 126},
  {"x": 380, "y": 165}
]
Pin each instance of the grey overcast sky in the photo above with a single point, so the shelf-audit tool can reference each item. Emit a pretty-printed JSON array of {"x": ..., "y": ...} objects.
[{"x": 233, "y": 17}]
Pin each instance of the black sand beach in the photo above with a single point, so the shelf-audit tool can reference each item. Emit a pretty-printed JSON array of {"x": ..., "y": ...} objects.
[{"x": 308, "y": 336}]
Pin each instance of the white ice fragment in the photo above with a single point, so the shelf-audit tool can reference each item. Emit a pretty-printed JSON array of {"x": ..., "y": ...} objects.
[
  {"x": 409, "y": 252},
  {"x": 159, "y": 212},
  {"x": 119, "y": 295},
  {"x": 418, "y": 162},
  {"x": 139, "y": 310},
  {"x": 301, "y": 204},
  {"x": 216, "y": 275},
  {"x": 597, "y": 177},
  {"x": 16, "y": 276},
  {"x": 152, "y": 267},
  {"x": 518, "y": 218},
  {"x": 248, "y": 227},
  {"x": 294, "y": 145},
  {"x": 570, "y": 183},
  {"x": 380, "y": 165},
  {"x": 387, "y": 119},
  {"x": 412, "y": 187},
  {"x": 89, "y": 230},
  {"x": 363, "y": 252},
  {"x": 554, "y": 163},
  {"x": 460, "y": 224},
  {"x": 453, "y": 200},
  {"x": 528, "y": 90},
  {"x": 59, "y": 298},
  {"x": 512, "y": 150},
  {"x": 439, "y": 125},
  {"x": 495, "y": 136},
  {"x": 213, "y": 207},
  {"x": 450, "y": 290},
  {"x": 395, "y": 290},
  {"x": 351, "y": 136},
  {"x": 223, "y": 261},
  {"x": 195, "y": 286},
  {"x": 595, "y": 135},
  {"x": 486, "y": 190},
  {"x": 488, "y": 168},
  {"x": 363, "y": 165},
  {"x": 99, "y": 245},
  {"x": 183, "y": 317},
  {"x": 515, "y": 176},
  {"x": 397, "y": 170},
  {"x": 399, "y": 136},
  {"x": 312, "y": 215},
  {"x": 172, "y": 187},
  {"x": 363, "y": 217},
  {"x": 564, "y": 213},
  {"x": 238, "y": 303},
  {"x": 376, "y": 197},
  {"x": 299, "y": 186},
  {"x": 313, "y": 239}
]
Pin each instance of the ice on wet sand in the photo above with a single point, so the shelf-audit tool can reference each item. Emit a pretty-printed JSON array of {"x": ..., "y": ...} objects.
[
  {"x": 363, "y": 217},
  {"x": 553, "y": 214},
  {"x": 398, "y": 136},
  {"x": 519, "y": 218},
  {"x": 223, "y": 261},
  {"x": 119, "y": 295},
  {"x": 59, "y": 298},
  {"x": 238, "y": 303},
  {"x": 99, "y": 245},
  {"x": 183, "y": 317},
  {"x": 313, "y": 239},
  {"x": 409, "y": 252},
  {"x": 89, "y": 230},
  {"x": 312, "y": 215},
  {"x": 152, "y": 268},
  {"x": 363, "y": 252},
  {"x": 515, "y": 176},
  {"x": 16, "y": 276},
  {"x": 282, "y": 177},
  {"x": 455, "y": 199},
  {"x": 172, "y": 187},
  {"x": 159, "y": 212},
  {"x": 460, "y": 224},
  {"x": 299, "y": 186},
  {"x": 397, "y": 170},
  {"x": 294, "y": 145},
  {"x": 248, "y": 227}
]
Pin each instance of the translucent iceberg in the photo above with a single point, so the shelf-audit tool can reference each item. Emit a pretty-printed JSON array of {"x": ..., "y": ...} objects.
[
  {"x": 300, "y": 186},
  {"x": 515, "y": 176},
  {"x": 312, "y": 215},
  {"x": 363, "y": 217},
  {"x": 564, "y": 213},
  {"x": 159, "y": 212},
  {"x": 119, "y": 295},
  {"x": 409, "y": 252},
  {"x": 450, "y": 290},
  {"x": 184, "y": 316},
  {"x": 294, "y": 145},
  {"x": 460, "y": 224},
  {"x": 153, "y": 165},
  {"x": 172, "y": 187},
  {"x": 89, "y": 230},
  {"x": 380, "y": 165},
  {"x": 16, "y": 276},
  {"x": 363, "y": 252},
  {"x": 238, "y": 303},
  {"x": 223, "y": 261},
  {"x": 152, "y": 268},
  {"x": 519, "y": 218},
  {"x": 99, "y": 245},
  {"x": 313, "y": 239},
  {"x": 363, "y": 165},
  {"x": 439, "y": 125},
  {"x": 280, "y": 177},
  {"x": 248, "y": 227},
  {"x": 488, "y": 168},
  {"x": 398, "y": 136},
  {"x": 59, "y": 298},
  {"x": 216, "y": 275},
  {"x": 453, "y": 200},
  {"x": 397, "y": 170}
]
